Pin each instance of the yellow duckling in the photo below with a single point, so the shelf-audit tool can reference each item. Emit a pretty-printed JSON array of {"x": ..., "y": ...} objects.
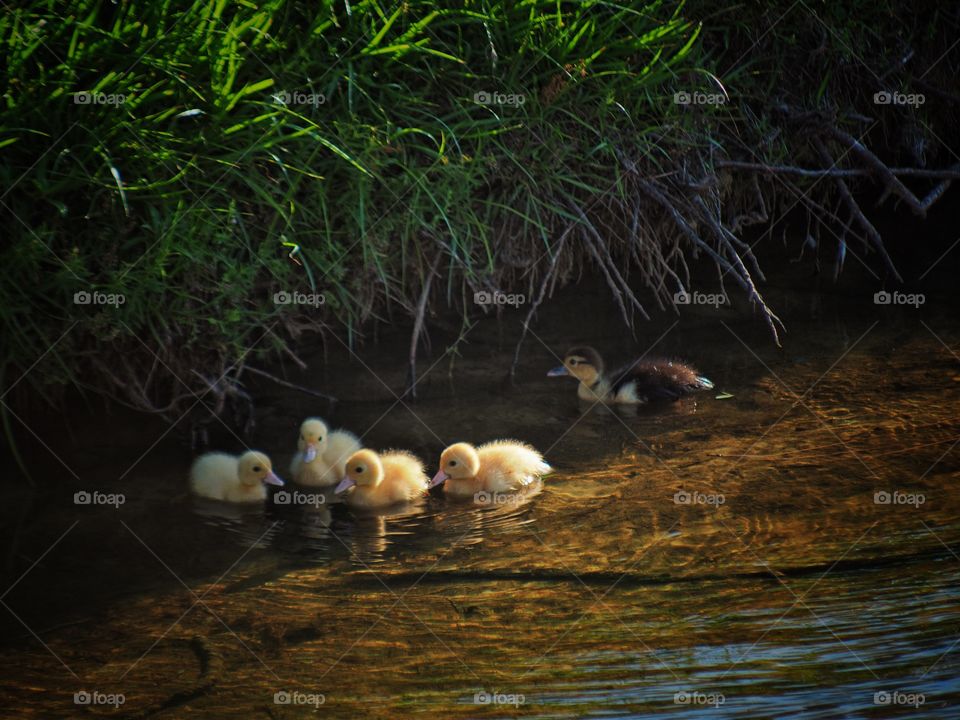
[
  {"x": 383, "y": 479},
  {"x": 498, "y": 466},
  {"x": 321, "y": 455},
  {"x": 236, "y": 479}
]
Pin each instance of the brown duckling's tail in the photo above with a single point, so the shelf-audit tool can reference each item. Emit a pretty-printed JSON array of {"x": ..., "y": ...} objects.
[{"x": 660, "y": 379}]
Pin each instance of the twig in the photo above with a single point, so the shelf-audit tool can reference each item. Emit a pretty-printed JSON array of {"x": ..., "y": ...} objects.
[
  {"x": 418, "y": 325},
  {"x": 722, "y": 234},
  {"x": 595, "y": 246},
  {"x": 292, "y": 355},
  {"x": 551, "y": 269},
  {"x": 691, "y": 234},
  {"x": 951, "y": 173},
  {"x": 855, "y": 210},
  {"x": 292, "y": 386},
  {"x": 892, "y": 182}
]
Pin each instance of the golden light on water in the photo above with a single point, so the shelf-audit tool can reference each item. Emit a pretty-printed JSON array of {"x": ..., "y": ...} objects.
[{"x": 670, "y": 552}]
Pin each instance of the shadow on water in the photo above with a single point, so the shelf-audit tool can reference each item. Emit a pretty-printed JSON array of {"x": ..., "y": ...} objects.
[{"x": 786, "y": 546}]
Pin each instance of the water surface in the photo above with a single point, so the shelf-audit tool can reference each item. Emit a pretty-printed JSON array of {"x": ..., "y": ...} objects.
[{"x": 785, "y": 546}]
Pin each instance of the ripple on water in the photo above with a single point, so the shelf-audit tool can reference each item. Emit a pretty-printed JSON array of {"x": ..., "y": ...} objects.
[{"x": 799, "y": 594}]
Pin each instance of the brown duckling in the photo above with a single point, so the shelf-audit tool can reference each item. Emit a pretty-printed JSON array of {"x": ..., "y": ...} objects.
[{"x": 639, "y": 382}]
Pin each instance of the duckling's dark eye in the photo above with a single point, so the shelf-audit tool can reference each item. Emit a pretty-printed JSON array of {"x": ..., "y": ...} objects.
[
  {"x": 452, "y": 463},
  {"x": 257, "y": 468},
  {"x": 573, "y": 362},
  {"x": 358, "y": 469}
]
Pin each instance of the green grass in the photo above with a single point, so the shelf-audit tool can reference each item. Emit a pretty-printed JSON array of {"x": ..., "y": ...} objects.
[{"x": 190, "y": 196}]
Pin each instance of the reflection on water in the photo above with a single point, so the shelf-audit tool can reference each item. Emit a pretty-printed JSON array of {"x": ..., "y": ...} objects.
[
  {"x": 312, "y": 526},
  {"x": 788, "y": 551}
]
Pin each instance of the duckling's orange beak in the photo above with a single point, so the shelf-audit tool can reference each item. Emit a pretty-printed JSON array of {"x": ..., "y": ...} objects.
[
  {"x": 272, "y": 479},
  {"x": 344, "y": 485},
  {"x": 438, "y": 479},
  {"x": 310, "y": 453},
  {"x": 558, "y": 372}
]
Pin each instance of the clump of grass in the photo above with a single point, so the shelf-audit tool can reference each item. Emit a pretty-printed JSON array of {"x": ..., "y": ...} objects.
[{"x": 197, "y": 160}]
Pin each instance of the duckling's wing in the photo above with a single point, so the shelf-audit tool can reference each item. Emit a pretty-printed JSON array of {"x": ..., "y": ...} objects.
[
  {"x": 510, "y": 465},
  {"x": 406, "y": 473},
  {"x": 659, "y": 379},
  {"x": 505, "y": 445},
  {"x": 403, "y": 459},
  {"x": 214, "y": 475}
]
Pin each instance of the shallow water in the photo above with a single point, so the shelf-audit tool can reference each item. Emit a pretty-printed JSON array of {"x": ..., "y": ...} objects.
[{"x": 785, "y": 587}]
